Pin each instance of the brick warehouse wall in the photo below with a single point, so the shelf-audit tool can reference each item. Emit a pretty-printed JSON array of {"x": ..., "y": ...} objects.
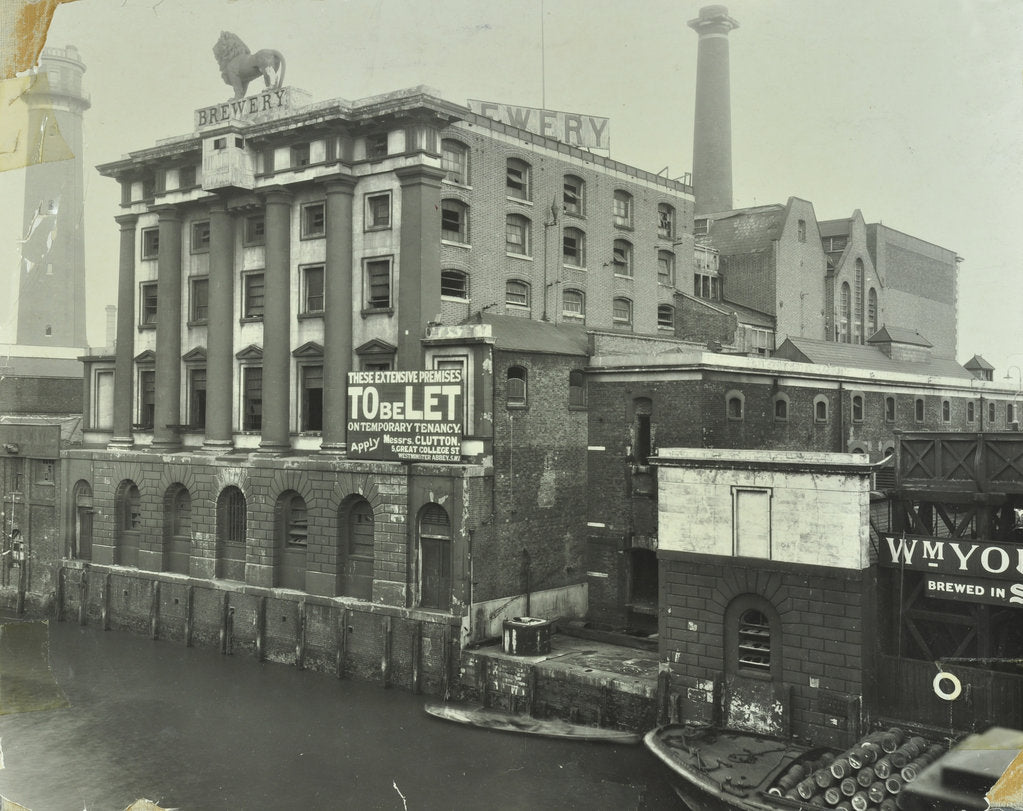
[
  {"x": 539, "y": 452},
  {"x": 825, "y": 638},
  {"x": 415, "y": 650}
]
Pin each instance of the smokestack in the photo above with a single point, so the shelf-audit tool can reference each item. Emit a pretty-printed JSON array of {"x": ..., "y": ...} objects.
[{"x": 712, "y": 132}]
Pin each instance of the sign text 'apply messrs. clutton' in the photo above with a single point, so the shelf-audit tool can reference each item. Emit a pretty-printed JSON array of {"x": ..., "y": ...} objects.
[{"x": 406, "y": 415}]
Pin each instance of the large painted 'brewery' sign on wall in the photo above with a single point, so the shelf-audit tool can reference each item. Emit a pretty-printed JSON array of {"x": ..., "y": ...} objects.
[
  {"x": 571, "y": 128},
  {"x": 960, "y": 568},
  {"x": 411, "y": 416}
]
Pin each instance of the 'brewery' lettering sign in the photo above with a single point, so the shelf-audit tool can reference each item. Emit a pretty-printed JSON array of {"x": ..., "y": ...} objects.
[
  {"x": 405, "y": 416},
  {"x": 960, "y": 556},
  {"x": 261, "y": 107},
  {"x": 571, "y": 128}
]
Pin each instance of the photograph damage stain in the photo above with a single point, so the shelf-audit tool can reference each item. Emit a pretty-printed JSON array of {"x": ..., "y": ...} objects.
[{"x": 26, "y": 682}]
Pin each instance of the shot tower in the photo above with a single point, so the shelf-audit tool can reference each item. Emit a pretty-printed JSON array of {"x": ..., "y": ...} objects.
[{"x": 51, "y": 285}]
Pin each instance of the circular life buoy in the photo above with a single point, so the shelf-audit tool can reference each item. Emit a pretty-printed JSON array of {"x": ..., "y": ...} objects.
[{"x": 950, "y": 694}]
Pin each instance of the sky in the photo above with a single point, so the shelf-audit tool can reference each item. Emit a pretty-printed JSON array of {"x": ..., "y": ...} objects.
[{"x": 909, "y": 110}]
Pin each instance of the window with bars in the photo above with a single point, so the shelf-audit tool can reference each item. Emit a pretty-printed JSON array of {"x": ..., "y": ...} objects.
[
  {"x": 378, "y": 284},
  {"x": 294, "y": 520},
  {"x": 231, "y": 510},
  {"x": 312, "y": 286},
  {"x": 199, "y": 300},
  {"x": 754, "y": 640},
  {"x": 252, "y": 398},
  {"x": 252, "y": 301}
]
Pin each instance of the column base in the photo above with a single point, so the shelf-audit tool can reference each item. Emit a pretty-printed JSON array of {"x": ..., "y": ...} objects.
[
  {"x": 121, "y": 443},
  {"x": 273, "y": 447},
  {"x": 336, "y": 448},
  {"x": 165, "y": 446},
  {"x": 217, "y": 446}
]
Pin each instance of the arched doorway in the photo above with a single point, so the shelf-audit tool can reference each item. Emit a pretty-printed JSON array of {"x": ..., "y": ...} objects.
[{"x": 81, "y": 534}]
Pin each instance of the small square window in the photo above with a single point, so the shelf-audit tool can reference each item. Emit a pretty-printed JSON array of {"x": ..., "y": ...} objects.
[
  {"x": 378, "y": 211},
  {"x": 313, "y": 220},
  {"x": 376, "y": 146},
  {"x": 148, "y": 309},
  {"x": 312, "y": 282},
  {"x": 252, "y": 305},
  {"x": 378, "y": 284},
  {"x": 150, "y": 243},
  {"x": 220, "y": 143},
  {"x": 186, "y": 177},
  {"x": 299, "y": 155},
  {"x": 200, "y": 236},
  {"x": 199, "y": 298}
]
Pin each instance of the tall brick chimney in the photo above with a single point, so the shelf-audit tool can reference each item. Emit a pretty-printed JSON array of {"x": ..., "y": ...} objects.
[{"x": 712, "y": 132}]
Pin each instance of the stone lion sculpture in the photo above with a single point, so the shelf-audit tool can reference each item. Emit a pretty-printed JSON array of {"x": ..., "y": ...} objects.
[{"x": 239, "y": 66}]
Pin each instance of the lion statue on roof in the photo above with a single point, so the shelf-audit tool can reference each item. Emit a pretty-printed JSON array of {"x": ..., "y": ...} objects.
[{"x": 239, "y": 66}]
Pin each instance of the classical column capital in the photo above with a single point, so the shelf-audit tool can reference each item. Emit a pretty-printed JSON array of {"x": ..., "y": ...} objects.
[
  {"x": 127, "y": 221},
  {"x": 167, "y": 212},
  {"x": 339, "y": 184},
  {"x": 420, "y": 173},
  {"x": 276, "y": 194}
]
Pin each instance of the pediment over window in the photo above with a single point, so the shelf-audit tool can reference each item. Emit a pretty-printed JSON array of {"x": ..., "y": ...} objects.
[
  {"x": 310, "y": 349},
  {"x": 251, "y": 352},
  {"x": 376, "y": 347},
  {"x": 196, "y": 355},
  {"x": 149, "y": 356}
]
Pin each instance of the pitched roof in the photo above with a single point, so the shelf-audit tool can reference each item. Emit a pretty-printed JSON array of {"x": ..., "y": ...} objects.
[
  {"x": 830, "y": 353},
  {"x": 747, "y": 315},
  {"x": 978, "y": 362},
  {"x": 834, "y": 228},
  {"x": 525, "y": 335},
  {"x": 898, "y": 335},
  {"x": 745, "y": 230}
]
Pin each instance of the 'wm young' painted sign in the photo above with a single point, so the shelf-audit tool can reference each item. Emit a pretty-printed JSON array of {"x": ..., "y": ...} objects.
[
  {"x": 411, "y": 416},
  {"x": 570, "y": 128},
  {"x": 948, "y": 556}
]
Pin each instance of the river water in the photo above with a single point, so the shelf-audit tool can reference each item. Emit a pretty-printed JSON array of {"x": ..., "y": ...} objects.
[{"x": 192, "y": 729}]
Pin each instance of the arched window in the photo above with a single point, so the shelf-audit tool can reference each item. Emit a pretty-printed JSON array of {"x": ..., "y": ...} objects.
[
  {"x": 454, "y": 284},
  {"x": 292, "y": 535},
  {"x": 857, "y": 408},
  {"x": 574, "y": 198},
  {"x": 820, "y": 408},
  {"x": 858, "y": 328},
  {"x": 623, "y": 209},
  {"x": 781, "y": 406},
  {"x": 734, "y": 404},
  {"x": 665, "y": 221},
  {"x": 356, "y": 548},
  {"x": 231, "y": 531},
  {"x": 919, "y": 409},
  {"x": 128, "y": 503},
  {"x": 621, "y": 312},
  {"x": 889, "y": 409},
  {"x": 517, "y": 235},
  {"x": 573, "y": 304},
  {"x": 871, "y": 312},
  {"x": 845, "y": 326},
  {"x": 946, "y": 411},
  {"x": 991, "y": 413},
  {"x": 666, "y": 267},
  {"x": 665, "y": 316},
  {"x": 971, "y": 414},
  {"x": 177, "y": 527},
  {"x": 574, "y": 247},
  {"x": 516, "y": 387},
  {"x": 454, "y": 160},
  {"x": 577, "y": 388},
  {"x": 454, "y": 221},
  {"x": 516, "y": 293},
  {"x": 752, "y": 638},
  {"x": 621, "y": 257},
  {"x": 518, "y": 179},
  {"x": 81, "y": 538},
  {"x": 434, "y": 557}
]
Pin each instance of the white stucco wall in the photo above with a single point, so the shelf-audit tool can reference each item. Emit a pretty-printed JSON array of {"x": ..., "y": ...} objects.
[{"x": 819, "y": 503}]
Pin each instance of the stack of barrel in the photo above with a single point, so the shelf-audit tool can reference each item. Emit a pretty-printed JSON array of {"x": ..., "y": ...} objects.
[{"x": 867, "y": 777}]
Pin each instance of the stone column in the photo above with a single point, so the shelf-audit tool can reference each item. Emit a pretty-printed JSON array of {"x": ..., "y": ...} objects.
[
  {"x": 418, "y": 276},
  {"x": 337, "y": 315},
  {"x": 124, "y": 373},
  {"x": 277, "y": 323},
  {"x": 167, "y": 418},
  {"x": 220, "y": 331}
]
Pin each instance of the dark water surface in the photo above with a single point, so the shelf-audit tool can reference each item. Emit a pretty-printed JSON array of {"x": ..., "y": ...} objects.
[{"x": 192, "y": 729}]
